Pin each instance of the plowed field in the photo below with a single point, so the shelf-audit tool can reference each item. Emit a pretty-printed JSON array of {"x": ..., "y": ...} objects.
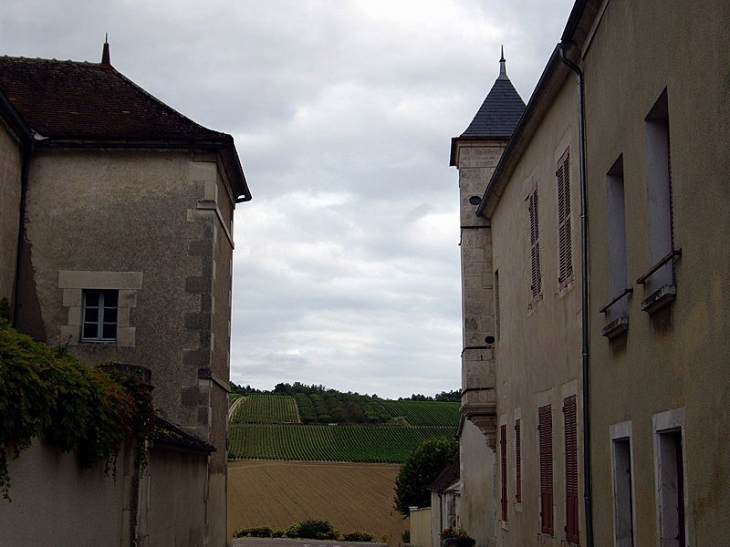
[{"x": 351, "y": 496}]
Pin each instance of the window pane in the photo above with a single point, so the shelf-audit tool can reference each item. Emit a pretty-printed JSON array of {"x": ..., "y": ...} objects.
[
  {"x": 89, "y": 331},
  {"x": 91, "y": 316},
  {"x": 110, "y": 332},
  {"x": 91, "y": 298},
  {"x": 110, "y": 315},
  {"x": 111, "y": 298}
]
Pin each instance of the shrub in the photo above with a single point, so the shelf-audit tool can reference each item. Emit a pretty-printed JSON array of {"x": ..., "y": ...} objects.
[
  {"x": 316, "y": 529},
  {"x": 260, "y": 532},
  {"x": 406, "y": 536},
  {"x": 358, "y": 536},
  {"x": 293, "y": 531}
]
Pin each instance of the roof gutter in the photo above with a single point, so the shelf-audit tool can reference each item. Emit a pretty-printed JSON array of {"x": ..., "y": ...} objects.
[{"x": 587, "y": 494}]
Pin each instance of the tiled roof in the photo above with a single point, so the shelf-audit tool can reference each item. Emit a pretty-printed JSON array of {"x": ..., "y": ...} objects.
[
  {"x": 500, "y": 111},
  {"x": 448, "y": 476},
  {"x": 79, "y": 100}
]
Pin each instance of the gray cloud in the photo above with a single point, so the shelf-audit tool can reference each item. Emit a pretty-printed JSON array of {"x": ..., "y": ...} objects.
[{"x": 347, "y": 261}]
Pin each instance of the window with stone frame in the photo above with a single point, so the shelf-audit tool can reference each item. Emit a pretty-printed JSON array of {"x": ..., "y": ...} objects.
[{"x": 99, "y": 319}]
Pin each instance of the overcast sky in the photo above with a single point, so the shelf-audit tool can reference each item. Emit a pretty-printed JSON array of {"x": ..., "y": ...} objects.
[{"x": 347, "y": 260}]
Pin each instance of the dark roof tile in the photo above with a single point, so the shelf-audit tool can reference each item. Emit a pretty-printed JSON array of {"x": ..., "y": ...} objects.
[
  {"x": 69, "y": 99},
  {"x": 500, "y": 111}
]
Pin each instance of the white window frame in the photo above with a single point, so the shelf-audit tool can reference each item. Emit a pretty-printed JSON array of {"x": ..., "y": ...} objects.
[
  {"x": 671, "y": 421},
  {"x": 623, "y": 433},
  {"x": 102, "y": 315}
]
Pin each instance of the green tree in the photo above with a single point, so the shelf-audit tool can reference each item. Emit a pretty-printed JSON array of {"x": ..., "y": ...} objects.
[{"x": 419, "y": 470}]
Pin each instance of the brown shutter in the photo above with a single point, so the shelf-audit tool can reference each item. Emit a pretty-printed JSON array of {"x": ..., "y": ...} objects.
[
  {"x": 503, "y": 467},
  {"x": 565, "y": 253},
  {"x": 534, "y": 245},
  {"x": 518, "y": 463},
  {"x": 545, "y": 420},
  {"x": 571, "y": 469}
]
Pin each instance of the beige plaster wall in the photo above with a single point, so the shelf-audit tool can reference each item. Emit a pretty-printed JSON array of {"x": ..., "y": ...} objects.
[
  {"x": 420, "y": 527},
  {"x": 176, "y": 489},
  {"x": 10, "y": 173},
  {"x": 53, "y": 501},
  {"x": 677, "y": 357},
  {"x": 477, "y": 479},
  {"x": 538, "y": 353}
]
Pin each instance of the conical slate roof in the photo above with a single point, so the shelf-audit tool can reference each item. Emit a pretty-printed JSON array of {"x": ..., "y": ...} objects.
[{"x": 500, "y": 111}]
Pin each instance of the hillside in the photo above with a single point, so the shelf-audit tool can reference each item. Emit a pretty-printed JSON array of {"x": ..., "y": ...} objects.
[{"x": 331, "y": 426}]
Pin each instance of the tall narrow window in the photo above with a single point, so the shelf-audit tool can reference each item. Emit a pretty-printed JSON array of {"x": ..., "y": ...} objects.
[
  {"x": 622, "y": 493},
  {"x": 617, "y": 276},
  {"x": 671, "y": 489},
  {"x": 535, "y": 277},
  {"x": 518, "y": 462},
  {"x": 99, "y": 321},
  {"x": 503, "y": 468},
  {"x": 660, "y": 277},
  {"x": 565, "y": 251},
  {"x": 545, "y": 421},
  {"x": 570, "y": 422}
]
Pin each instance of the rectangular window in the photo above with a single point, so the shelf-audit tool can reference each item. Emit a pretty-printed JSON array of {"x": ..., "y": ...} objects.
[
  {"x": 671, "y": 496},
  {"x": 658, "y": 281},
  {"x": 99, "y": 318},
  {"x": 535, "y": 276},
  {"x": 623, "y": 502},
  {"x": 518, "y": 462},
  {"x": 545, "y": 427},
  {"x": 617, "y": 276},
  {"x": 503, "y": 468},
  {"x": 570, "y": 422},
  {"x": 565, "y": 251}
]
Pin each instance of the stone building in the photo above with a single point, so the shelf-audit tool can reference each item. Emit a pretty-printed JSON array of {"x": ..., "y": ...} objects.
[{"x": 116, "y": 239}]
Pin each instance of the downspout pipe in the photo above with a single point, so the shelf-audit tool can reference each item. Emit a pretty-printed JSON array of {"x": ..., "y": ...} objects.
[
  {"x": 585, "y": 369},
  {"x": 28, "y": 151}
]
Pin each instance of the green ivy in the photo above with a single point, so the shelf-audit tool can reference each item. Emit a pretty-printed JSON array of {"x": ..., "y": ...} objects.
[{"x": 48, "y": 394}]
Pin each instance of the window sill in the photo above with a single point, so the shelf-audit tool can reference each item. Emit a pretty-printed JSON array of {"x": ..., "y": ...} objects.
[
  {"x": 504, "y": 525},
  {"x": 615, "y": 328},
  {"x": 659, "y": 299}
]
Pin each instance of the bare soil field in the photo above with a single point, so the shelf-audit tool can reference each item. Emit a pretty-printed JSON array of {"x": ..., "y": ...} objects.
[{"x": 351, "y": 496}]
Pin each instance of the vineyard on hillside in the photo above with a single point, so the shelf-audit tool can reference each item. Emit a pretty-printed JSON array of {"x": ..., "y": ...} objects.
[
  {"x": 424, "y": 413},
  {"x": 344, "y": 443},
  {"x": 329, "y": 426},
  {"x": 266, "y": 409}
]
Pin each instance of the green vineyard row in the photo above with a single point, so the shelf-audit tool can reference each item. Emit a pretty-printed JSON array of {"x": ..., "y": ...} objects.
[
  {"x": 342, "y": 409},
  {"x": 344, "y": 443},
  {"x": 266, "y": 409}
]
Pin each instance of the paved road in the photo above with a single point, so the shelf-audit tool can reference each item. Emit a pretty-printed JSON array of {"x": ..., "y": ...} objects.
[{"x": 281, "y": 542}]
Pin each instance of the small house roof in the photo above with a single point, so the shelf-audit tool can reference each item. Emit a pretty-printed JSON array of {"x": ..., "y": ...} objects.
[
  {"x": 69, "y": 99},
  {"x": 82, "y": 102}
]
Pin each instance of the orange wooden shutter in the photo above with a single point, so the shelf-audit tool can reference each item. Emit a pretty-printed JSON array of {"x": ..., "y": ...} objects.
[
  {"x": 565, "y": 253},
  {"x": 518, "y": 463},
  {"x": 535, "y": 280}
]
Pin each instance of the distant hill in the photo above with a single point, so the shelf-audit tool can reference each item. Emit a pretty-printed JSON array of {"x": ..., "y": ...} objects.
[{"x": 310, "y": 423}]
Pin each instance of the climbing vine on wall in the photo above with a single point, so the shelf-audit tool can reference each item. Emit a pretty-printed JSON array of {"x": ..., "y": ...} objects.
[{"x": 48, "y": 394}]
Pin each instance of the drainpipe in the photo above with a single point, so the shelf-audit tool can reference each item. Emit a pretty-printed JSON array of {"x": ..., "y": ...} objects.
[
  {"x": 584, "y": 298},
  {"x": 28, "y": 151}
]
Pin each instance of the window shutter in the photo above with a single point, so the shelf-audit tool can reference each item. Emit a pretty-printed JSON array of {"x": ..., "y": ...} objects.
[
  {"x": 545, "y": 420},
  {"x": 571, "y": 469},
  {"x": 518, "y": 463},
  {"x": 565, "y": 253},
  {"x": 503, "y": 468},
  {"x": 534, "y": 245}
]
